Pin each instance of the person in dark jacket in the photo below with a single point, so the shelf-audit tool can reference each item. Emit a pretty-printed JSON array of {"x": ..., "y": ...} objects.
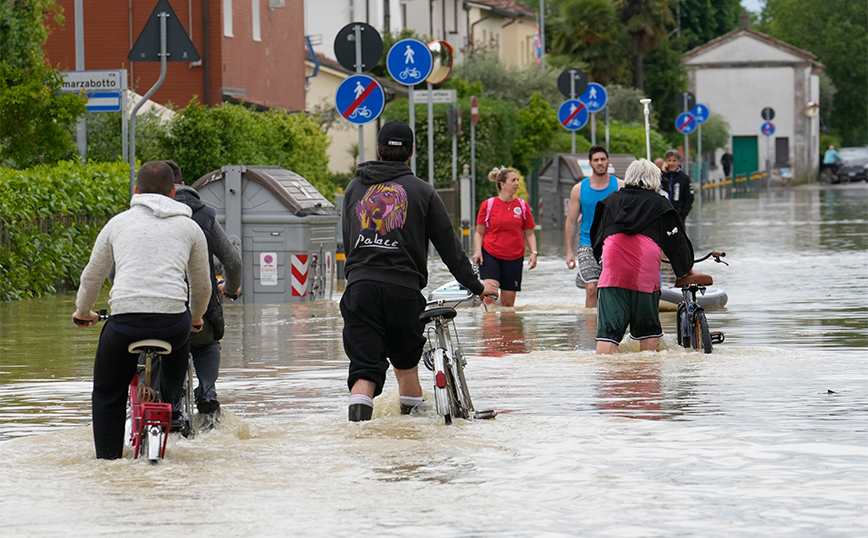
[
  {"x": 630, "y": 228},
  {"x": 677, "y": 185},
  {"x": 726, "y": 163},
  {"x": 389, "y": 216},
  {"x": 205, "y": 345}
]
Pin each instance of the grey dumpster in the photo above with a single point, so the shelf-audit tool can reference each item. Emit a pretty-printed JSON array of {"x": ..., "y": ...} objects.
[
  {"x": 285, "y": 229},
  {"x": 556, "y": 179}
]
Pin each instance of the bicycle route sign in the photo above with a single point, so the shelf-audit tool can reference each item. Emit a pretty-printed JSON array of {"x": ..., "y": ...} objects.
[
  {"x": 595, "y": 97},
  {"x": 360, "y": 99},
  {"x": 700, "y": 112},
  {"x": 768, "y": 128},
  {"x": 685, "y": 123},
  {"x": 409, "y": 62},
  {"x": 573, "y": 114}
]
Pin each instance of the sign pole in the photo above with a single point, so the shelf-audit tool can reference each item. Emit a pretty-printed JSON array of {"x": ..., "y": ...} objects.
[
  {"x": 594, "y": 129},
  {"x": 473, "y": 156},
  {"x": 81, "y": 126},
  {"x": 573, "y": 96},
  {"x": 699, "y": 151},
  {"x": 430, "y": 134},
  {"x": 413, "y": 126},
  {"x": 646, "y": 111},
  {"x": 163, "y": 16},
  {"x": 358, "y": 30},
  {"x": 607, "y": 127},
  {"x": 455, "y": 140},
  {"x": 124, "y": 116}
]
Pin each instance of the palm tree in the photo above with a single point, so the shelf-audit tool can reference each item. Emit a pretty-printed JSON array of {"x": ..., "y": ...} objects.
[
  {"x": 646, "y": 22},
  {"x": 589, "y": 31}
]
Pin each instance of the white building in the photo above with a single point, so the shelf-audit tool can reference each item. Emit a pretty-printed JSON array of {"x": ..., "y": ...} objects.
[{"x": 739, "y": 74}]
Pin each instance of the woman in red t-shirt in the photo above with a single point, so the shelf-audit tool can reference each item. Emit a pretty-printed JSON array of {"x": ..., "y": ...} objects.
[{"x": 503, "y": 226}]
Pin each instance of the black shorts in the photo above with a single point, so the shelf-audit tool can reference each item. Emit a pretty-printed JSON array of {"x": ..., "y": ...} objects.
[
  {"x": 507, "y": 272},
  {"x": 619, "y": 307},
  {"x": 381, "y": 325}
]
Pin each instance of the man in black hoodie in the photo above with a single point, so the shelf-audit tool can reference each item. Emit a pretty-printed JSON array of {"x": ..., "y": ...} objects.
[
  {"x": 389, "y": 216},
  {"x": 677, "y": 185},
  {"x": 205, "y": 345}
]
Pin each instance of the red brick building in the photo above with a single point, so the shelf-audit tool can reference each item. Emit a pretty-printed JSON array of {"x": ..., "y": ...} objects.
[{"x": 254, "y": 50}]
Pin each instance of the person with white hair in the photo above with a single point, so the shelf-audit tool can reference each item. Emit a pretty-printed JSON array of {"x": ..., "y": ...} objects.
[{"x": 630, "y": 228}]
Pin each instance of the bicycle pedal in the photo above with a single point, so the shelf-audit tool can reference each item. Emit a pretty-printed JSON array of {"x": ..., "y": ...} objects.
[
  {"x": 717, "y": 338},
  {"x": 483, "y": 415}
]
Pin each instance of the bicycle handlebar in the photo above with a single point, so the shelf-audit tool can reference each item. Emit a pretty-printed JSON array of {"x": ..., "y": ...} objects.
[
  {"x": 102, "y": 315},
  {"x": 716, "y": 254},
  {"x": 455, "y": 301}
]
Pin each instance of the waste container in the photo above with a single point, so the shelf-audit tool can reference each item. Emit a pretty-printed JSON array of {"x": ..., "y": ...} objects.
[
  {"x": 556, "y": 179},
  {"x": 285, "y": 229}
]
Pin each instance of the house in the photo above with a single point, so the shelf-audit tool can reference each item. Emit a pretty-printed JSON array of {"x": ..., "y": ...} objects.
[
  {"x": 251, "y": 50},
  {"x": 321, "y": 91},
  {"x": 743, "y": 72}
]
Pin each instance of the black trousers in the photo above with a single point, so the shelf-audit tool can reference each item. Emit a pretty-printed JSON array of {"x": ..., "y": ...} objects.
[{"x": 114, "y": 368}]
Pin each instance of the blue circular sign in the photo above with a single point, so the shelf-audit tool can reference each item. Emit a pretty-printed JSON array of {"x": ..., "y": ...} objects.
[
  {"x": 573, "y": 114},
  {"x": 685, "y": 123},
  {"x": 409, "y": 62},
  {"x": 768, "y": 128},
  {"x": 360, "y": 99},
  {"x": 700, "y": 112},
  {"x": 595, "y": 97}
]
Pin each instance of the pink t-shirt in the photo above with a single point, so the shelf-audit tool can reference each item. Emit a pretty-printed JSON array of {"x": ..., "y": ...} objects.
[{"x": 631, "y": 262}]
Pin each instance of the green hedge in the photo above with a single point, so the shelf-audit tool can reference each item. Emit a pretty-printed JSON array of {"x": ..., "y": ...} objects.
[{"x": 49, "y": 219}]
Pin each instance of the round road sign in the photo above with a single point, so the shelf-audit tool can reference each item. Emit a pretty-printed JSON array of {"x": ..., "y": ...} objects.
[
  {"x": 573, "y": 114},
  {"x": 595, "y": 97},
  {"x": 409, "y": 62},
  {"x": 345, "y": 46},
  {"x": 685, "y": 123},
  {"x": 685, "y": 101},
  {"x": 768, "y": 128},
  {"x": 360, "y": 99},
  {"x": 700, "y": 112},
  {"x": 768, "y": 113},
  {"x": 474, "y": 110},
  {"x": 581, "y": 83}
]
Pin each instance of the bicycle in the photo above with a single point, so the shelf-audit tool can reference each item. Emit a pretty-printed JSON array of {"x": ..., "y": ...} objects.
[
  {"x": 834, "y": 174},
  {"x": 149, "y": 421},
  {"x": 445, "y": 359},
  {"x": 691, "y": 325}
]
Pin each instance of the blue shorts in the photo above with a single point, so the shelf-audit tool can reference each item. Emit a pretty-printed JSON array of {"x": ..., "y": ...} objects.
[{"x": 507, "y": 272}]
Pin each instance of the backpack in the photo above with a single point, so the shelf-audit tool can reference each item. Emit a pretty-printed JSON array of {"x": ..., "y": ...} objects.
[{"x": 490, "y": 204}]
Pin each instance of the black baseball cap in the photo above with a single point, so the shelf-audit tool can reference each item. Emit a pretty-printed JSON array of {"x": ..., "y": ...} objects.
[{"x": 395, "y": 133}]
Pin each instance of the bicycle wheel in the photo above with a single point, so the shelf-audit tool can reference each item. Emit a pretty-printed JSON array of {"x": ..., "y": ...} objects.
[
  {"x": 825, "y": 176},
  {"x": 682, "y": 326},
  {"x": 699, "y": 335},
  {"x": 443, "y": 396},
  {"x": 464, "y": 404},
  {"x": 189, "y": 428}
]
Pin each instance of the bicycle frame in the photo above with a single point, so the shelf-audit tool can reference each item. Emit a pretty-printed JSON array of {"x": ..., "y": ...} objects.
[
  {"x": 690, "y": 321},
  {"x": 150, "y": 420}
]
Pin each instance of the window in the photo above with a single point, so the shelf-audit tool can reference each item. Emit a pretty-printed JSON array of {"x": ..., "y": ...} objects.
[
  {"x": 276, "y": 3},
  {"x": 227, "y": 18},
  {"x": 257, "y": 30}
]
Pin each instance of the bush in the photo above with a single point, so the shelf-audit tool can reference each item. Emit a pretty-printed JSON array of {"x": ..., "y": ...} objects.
[{"x": 48, "y": 227}]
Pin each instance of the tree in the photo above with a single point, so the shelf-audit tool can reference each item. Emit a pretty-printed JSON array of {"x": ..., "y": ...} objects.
[
  {"x": 513, "y": 85},
  {"x": 538, "y": 123},
  {"x": 835, "y": 31},
  {"x": 589, "y": 31},
  {"x": 701, "y": 21},
  {"x": 646, "y": 22}
]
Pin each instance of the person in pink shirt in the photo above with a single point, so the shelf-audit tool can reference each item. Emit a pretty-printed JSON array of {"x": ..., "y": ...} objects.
[
  {"x": 503, "y": 225},
  {"x": 630, "y": 228}
]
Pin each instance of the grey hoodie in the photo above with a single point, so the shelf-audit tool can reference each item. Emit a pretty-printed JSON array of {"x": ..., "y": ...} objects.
[{"x": 154, "y": 246}]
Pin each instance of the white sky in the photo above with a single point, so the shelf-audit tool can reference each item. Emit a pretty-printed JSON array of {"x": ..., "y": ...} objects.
[{"x": 753, "y": 5}]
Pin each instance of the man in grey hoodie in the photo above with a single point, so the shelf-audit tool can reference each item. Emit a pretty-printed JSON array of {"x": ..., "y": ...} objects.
[
  {"x": 156, "y": 249},
  {"x": 205, "y": 345}
]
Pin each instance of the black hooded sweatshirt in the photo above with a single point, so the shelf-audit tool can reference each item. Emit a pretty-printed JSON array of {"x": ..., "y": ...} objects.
[{"x": 388, "y": 218}]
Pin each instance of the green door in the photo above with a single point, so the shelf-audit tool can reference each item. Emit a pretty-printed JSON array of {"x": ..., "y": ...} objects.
[{"x": 744, "y": 155}]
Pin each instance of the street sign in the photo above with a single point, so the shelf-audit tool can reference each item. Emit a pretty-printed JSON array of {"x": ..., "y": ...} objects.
[
  {"x": 360, "y": 99},
  {"x": 104, "y": 102},
  {"x": 573, "y": 114},
  {"x": 345, "y": 46},
  {"x": 685, "y": 123},
  {"x": 572, "y": 74},
  {"x": 595, "y": 97},
  {"x": 768, "y": 128},
  {"x": 437, "y": 96},
  {"x": 768, "y": 113},
  {"x": 409, "y": 62},
  {"x": 179, "y": 47},
  {"x": 685, "y": 101},
  {"x": 474, "y": 110},
  {"x": 93, "y": 81},
  {"x": 700, "y": 112}
]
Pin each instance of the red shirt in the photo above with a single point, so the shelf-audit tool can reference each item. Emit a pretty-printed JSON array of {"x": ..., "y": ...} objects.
[{"x": 504, "y": 234}]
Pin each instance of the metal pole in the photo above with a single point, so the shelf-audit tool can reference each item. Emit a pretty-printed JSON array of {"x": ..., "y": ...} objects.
[
  {"x": 572, "y": 96},
  {"x": 81, "y": 126},
  {"x": 413, "y": 126},
  {"x": 430, "y": 134},
  {"x": 647, "y": 111},
  {"x": 358, "y": 31},
  {"x": 542, "y": 33},
  {"x": 607, "y": 127},
  {"x": 699, "y": 152},
  {"x": 455, "y": 140},
  {"x": 163, "y": 16},
  {"x": 594, "y": 129},
  {"x": 473, "y": 164},
  {"x": 124, "y": 117}
]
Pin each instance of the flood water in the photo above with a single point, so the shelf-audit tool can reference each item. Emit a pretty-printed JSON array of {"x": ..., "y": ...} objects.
[{"x": 767, "y": 436}]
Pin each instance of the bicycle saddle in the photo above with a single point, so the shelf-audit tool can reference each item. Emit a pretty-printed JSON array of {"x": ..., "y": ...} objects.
[
  {"x": 446, "y": 311},
  {"x": 160, "y": 346},
  {"x": 700, "y": 279}
]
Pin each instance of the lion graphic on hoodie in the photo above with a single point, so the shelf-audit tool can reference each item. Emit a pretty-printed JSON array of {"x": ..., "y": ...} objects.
[{"x": 383, "y": 208}]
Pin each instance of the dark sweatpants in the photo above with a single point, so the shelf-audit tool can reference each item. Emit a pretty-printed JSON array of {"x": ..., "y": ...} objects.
[
  {"x": 114, "y": 367},
  {"x": 381, "y": 320}
]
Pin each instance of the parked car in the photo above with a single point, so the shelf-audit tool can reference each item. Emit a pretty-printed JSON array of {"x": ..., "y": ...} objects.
[{"x": 855, "y": 163}]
